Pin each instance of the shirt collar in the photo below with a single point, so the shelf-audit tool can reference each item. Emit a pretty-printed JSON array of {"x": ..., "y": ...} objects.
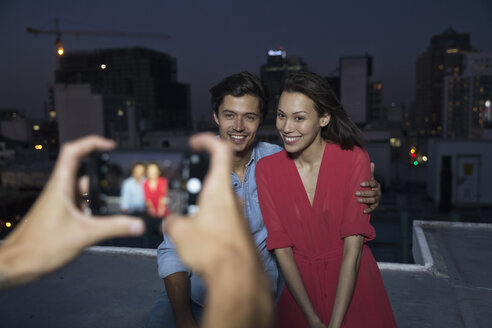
[{"x": 254, "y": 154}]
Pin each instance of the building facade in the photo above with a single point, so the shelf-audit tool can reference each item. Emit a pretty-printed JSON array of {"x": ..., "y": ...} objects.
[
  {"x": 354, "y": 74},
  {"x": 467, "y": 98},
  {"x": 138, "y": 87},
  {"x": 273, "y": 73},
  {"x": 443, "y": 57}
]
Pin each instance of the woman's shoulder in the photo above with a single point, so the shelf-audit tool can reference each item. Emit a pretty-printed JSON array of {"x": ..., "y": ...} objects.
[{"x": 354, "y": 153}]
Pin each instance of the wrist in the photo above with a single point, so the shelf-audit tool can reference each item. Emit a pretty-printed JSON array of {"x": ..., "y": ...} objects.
[
  {"x": 185, "y": 320},
  {"x": 313, "y": 319},
  {"x": 14, "y": 269}
]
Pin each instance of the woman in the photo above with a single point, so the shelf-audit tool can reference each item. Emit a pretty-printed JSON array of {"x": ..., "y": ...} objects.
[
  {"x": 316, "y": 227},
  {"x": 155, "y": 190}
]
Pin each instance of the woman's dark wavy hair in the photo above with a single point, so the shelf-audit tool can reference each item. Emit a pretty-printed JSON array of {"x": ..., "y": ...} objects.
[{"x": 341, "y": 129}]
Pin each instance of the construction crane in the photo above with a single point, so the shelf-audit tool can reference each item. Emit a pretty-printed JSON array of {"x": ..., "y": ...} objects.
[{"x": 58, "y": 33}]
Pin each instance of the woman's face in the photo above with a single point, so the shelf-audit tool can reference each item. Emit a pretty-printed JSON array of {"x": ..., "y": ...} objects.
[
  {"x": 152, "y": 171},
  {"x": 298, "y": 122}
]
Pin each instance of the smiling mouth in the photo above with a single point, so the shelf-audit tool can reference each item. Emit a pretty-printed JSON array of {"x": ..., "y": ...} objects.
[
  {"x": 291, "y": 140},
  {"x": 237, "y": 138}
]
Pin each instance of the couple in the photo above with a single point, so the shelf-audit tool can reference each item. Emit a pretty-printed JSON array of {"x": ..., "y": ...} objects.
[
  {"x": 145, "y": 191},
  {"x": 316, "y": 229}
]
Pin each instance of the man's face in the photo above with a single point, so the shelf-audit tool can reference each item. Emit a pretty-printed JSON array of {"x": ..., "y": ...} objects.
[
  {"x": 138, "y": 171},
  {"x": 238, "y": 119}
]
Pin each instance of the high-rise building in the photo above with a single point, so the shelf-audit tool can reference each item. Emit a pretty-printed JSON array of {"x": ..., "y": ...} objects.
[
  {"x": 377, "y": 114},
  {"x": 443, "y": 57},
  {"x": 354, "y": 74},
  {"x": 467, "y": 98},
  {"x": 136, "y": 82},
  {"x": 273, "y": 73}
]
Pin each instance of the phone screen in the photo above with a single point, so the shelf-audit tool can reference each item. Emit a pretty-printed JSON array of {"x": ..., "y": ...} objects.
[{"x": 145, "y": 183}]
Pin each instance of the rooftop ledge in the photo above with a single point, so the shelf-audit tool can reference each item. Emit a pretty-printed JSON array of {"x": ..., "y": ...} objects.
[{"x": 449, "y": 286}]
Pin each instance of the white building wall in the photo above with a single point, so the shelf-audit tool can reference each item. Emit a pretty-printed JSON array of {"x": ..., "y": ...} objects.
[
  {"x": 467, "y": 159},
  {"x": 79, "y": 111},
  {"x": 16, "y": 129},
  {"x": 353, "y": 86}
]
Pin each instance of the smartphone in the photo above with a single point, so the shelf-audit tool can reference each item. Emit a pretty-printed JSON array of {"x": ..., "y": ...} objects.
[{"x": 145, "y": 183}]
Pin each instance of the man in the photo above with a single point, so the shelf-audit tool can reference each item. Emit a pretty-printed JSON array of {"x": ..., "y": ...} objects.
[
  {"x": 239, "y": 106},
  {"x": 132, "y": 200}
]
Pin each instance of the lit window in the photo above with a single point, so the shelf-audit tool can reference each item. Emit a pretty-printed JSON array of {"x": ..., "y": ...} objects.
[
  {"x": 36, "y": 127},
  {"x": 395, "y": 142}
]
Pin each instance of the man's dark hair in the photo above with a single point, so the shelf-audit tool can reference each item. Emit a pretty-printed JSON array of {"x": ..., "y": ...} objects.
[
  {"x": 238, "y": 85},
  {"x": 137, "y": 163}
]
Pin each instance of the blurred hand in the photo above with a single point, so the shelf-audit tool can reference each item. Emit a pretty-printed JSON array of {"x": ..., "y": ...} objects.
[
  {"x": 370, "y": 197},
  {"x": 55, "y": 230},
  {"x": 217, "y": 244}
]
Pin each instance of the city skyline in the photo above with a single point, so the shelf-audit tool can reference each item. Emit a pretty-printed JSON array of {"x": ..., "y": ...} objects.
[{"x": 215, "y": 39}]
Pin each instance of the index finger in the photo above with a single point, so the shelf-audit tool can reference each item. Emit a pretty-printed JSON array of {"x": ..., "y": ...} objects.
[
  {"x": 72, "y": 152},
  {"x": 220, "y": 155}
]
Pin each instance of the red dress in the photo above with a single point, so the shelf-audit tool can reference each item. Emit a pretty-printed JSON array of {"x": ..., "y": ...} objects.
[
  {"x": 316, "y": 234},
  {"x": 155, "y": 194}
]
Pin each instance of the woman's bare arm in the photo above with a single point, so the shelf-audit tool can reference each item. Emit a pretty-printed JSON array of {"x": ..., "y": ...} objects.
[
  {"x": 352, "y": 249},
  {"x": 294, "y": 282}
]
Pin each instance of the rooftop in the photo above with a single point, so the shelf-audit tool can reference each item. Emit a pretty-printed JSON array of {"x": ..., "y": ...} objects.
[{"x": 449, "y": 286}]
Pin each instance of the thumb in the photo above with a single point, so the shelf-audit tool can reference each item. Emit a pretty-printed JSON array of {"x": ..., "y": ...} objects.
[
  {"x": 114, "y": 226},
  {"x": 372, "y": 170},
  {"x": 177, "y": 227}
]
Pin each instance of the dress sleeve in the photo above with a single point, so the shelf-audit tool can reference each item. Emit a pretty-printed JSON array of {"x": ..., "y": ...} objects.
[
  {"x": 162, "y": 187},
  {"x": 354, "y": 221},
  {"x": 277, "y": 237}
]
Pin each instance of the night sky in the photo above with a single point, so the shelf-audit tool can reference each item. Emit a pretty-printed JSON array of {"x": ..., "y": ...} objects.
[{"x": 212, "y": 39}]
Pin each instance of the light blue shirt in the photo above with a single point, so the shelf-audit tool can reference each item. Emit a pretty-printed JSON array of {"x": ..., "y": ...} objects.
[
  {"x": 168, "y": 260},
  {"x": 132, "y": 195}
]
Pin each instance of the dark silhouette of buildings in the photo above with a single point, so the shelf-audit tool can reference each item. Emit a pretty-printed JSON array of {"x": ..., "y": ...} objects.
[
  {"x": 138, "y": 86},
  {"x": 468, "y": 97},
  {"x": 443, "y": 57},
  {"x": 273, "y": 73},
  {"x": 354, "y": 75},
  {"x": 377, "y": 113}
]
